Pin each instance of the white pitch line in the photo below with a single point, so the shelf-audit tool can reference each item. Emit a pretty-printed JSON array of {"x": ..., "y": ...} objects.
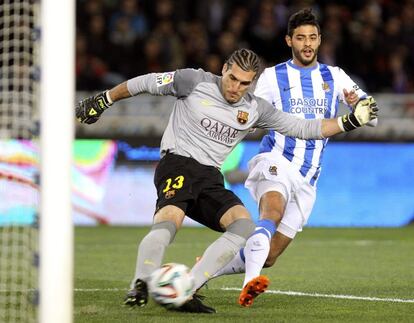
[
  {"x": 280, "y": 292},
  {"x": 277, "y": 292},
  {"x": 361, "y": 298},
  {"x": 100, "y": 289}
]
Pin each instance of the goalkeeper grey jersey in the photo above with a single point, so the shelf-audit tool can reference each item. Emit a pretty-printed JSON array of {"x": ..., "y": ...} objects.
[{"x": 204, "y": 126}]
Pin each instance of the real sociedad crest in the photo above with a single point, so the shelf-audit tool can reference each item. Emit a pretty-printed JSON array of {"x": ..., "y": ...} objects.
[
  {"x": 325, "y": 87},
  {"x": 242, "y": 117},
  {"x": 273, "y": 170}
]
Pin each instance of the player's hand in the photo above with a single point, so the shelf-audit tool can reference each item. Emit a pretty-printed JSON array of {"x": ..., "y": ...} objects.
[
  {"x": 90, "y": 109},
  {"x": 365, "y": 111},
  {"x": 351, "y": 98}
]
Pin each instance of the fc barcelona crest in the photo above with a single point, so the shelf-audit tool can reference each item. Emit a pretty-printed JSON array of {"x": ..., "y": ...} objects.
[
  {"x": 170, "y": 194},
  {"x": 242, "y": 117}
]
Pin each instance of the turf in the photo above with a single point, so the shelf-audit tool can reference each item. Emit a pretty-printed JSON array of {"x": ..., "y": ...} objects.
[{"x": 369, "y": 263}]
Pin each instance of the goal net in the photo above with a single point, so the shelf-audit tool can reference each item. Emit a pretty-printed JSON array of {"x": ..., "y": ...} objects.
[
  {"x": 19, "y": 194},
  {"x": 18, "y": 248},
  {"x": 35, "y": 222}
]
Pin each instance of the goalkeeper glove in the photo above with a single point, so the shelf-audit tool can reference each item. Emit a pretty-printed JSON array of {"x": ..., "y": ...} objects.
[
  {"x": 90, "y": 109},
  {"x": 365, "y": 111}
]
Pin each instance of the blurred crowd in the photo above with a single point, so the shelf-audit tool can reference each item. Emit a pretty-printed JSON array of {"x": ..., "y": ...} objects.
[{"x": 372, "y": 40}]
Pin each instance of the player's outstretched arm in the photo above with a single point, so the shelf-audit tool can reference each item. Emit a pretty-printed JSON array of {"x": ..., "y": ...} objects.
[
  {"x": 90, "y": 109},
  {"x": 365, "y": 111}
]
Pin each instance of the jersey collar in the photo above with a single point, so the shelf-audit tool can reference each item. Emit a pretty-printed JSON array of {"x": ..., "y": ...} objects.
[{"x": 290, "y": 63}]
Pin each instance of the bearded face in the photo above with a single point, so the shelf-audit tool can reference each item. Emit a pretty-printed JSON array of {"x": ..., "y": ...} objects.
[{"x": 305, "y": 43}]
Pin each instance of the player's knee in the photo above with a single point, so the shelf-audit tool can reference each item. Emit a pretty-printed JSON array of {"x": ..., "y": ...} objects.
[
  {"x": 234, "y": 215},
  {"x": 169, "y": 226},
  {"x": 242, "y": 227},
  {"x": 272, "y": 206},
  {"x": 271, "y": 214},
  {"x": 170, "y": 213}
]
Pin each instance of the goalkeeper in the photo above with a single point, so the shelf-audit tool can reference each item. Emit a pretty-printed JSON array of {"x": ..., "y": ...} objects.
[
  {"x": 211, "y": 115},
  {"x": 283, "y": 176}
]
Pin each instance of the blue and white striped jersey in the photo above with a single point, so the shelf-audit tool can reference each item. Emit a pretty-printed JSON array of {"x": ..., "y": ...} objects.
[{"x": 308, "y": 93}]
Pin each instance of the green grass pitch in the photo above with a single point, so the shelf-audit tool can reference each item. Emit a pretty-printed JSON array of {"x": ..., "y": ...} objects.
[{"x": 339, "y": 275}]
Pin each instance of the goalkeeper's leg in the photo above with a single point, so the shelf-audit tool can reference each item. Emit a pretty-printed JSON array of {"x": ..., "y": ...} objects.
[
  {"x": 239, "y": 227},
  {"x": 151, "y": 252}
]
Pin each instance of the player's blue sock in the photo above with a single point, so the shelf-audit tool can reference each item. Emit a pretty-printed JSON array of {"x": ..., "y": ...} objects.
[
  {"x": 242, "y": 257},
  {"x": 257, "y": 248},
  {"x": 265, "y": 226}
]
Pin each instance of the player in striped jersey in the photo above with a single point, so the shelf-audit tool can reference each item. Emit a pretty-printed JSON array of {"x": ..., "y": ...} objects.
[{"x": 283, "y": 176}]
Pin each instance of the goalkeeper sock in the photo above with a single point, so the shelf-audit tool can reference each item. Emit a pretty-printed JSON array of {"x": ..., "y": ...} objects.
[
  {"x": 257, "y": 249},
  {"x": 221, "y": 251},
  {"x": 235, "y": 266},
  {"x": 151, "y": 249}
]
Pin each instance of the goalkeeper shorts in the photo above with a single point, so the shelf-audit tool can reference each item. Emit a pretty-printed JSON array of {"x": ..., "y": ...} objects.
[{"x": 195, "y": 188}]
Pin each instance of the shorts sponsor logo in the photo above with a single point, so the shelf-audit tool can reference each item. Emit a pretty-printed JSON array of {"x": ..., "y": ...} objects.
[
  {"x": 242, "y": 117},
  {"x": 164, "y": 78},
  {"x": 273, "y": 170},
  {"x": 219, "y": 131},
  {"x": 170, "y": 194}
]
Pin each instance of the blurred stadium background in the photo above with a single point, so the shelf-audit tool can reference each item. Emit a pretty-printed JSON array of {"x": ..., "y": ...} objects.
[{"x": 368, "y": 177}]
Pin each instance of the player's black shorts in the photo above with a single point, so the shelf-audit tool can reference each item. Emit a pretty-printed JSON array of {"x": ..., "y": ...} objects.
[{"x": 195, "y": 188}]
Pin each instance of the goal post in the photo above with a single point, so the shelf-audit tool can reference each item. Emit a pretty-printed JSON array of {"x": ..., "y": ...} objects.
[{"x": 57, "y": 132}]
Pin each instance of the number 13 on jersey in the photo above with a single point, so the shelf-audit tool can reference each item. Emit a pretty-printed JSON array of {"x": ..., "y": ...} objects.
[{"x": 176, "y": 183}]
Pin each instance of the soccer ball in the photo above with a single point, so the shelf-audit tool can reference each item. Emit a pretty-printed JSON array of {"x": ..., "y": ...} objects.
[{"x": 171, "y": 285}]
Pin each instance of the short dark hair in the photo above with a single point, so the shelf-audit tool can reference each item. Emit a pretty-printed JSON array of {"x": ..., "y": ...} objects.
[
  {"x": 246, "y": 59},
  {"x": 300, "y": 18}
]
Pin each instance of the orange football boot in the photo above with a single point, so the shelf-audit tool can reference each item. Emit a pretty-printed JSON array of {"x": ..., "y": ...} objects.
[{"x": 253, "y": 288}]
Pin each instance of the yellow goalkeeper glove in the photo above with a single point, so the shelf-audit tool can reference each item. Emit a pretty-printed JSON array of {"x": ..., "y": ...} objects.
[
  {"x": 90, "y": 109},
  {"x": 365, "y": 111}
]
